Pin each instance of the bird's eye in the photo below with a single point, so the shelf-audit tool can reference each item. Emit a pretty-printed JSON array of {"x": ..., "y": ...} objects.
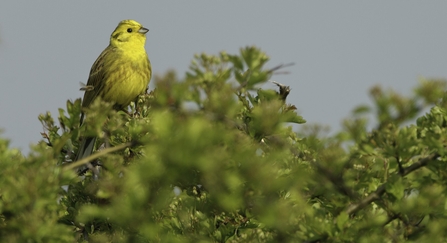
[{"x": 129, "y": 30}]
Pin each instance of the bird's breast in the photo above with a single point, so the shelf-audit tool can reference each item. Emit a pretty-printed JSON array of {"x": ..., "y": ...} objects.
[{"x": 128, "y": 80}]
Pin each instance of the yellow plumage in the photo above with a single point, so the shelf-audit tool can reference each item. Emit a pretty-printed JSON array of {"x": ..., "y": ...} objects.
[{"x": 119, "y": 74}]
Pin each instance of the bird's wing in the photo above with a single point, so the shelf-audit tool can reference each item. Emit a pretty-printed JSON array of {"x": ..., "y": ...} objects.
[{"x": 96, "y": 78}]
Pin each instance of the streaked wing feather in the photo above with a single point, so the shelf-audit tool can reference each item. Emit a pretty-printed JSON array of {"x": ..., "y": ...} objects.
[{"x": 95, "y": 78}]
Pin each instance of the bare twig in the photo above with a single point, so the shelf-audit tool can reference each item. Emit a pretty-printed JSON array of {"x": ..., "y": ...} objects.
[
  {"x": 281, "y": 66},
  {"x": 96, "y": 155}
]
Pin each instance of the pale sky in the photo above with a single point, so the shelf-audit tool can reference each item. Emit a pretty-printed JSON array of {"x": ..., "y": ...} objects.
[{"x": 340, "y": 49}]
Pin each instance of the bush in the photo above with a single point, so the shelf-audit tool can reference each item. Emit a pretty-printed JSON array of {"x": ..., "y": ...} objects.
[{"x": 213, "y": 158}]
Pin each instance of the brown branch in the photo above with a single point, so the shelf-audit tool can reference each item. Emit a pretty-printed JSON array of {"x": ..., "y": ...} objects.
[
  {"x": 420, "y": 163},
  {"x": 377, "y": 194}
]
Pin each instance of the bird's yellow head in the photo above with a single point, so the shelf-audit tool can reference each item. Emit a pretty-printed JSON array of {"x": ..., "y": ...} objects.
[{"x": 128, "y": 31}]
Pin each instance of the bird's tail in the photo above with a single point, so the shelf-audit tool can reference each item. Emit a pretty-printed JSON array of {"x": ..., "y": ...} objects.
[{"x": 85, "y": 150}]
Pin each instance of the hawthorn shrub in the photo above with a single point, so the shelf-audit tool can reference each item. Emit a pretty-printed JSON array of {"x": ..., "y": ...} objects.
[{"x": 214, "y": 158}]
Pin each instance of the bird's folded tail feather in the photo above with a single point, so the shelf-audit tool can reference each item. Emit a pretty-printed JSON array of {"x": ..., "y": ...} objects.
[{"x": 85, "y": 149}]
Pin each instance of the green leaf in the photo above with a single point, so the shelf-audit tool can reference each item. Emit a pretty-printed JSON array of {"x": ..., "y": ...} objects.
[{"x": 342, "y": 218}]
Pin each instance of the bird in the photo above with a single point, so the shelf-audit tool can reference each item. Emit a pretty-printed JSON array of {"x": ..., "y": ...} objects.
[{"x": 119, "y": 75}]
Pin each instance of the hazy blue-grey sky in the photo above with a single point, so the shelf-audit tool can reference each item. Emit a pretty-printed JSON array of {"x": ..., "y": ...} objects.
[{"x": 340, "y": 48}]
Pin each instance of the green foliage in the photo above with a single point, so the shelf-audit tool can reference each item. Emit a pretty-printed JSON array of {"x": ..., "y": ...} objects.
[
  {"x": 30, "y": 193},
  {"x": 213, "y": 159}
]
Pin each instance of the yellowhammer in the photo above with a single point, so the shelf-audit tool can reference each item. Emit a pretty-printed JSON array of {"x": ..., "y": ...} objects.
[{"x": 119, "y": 74}]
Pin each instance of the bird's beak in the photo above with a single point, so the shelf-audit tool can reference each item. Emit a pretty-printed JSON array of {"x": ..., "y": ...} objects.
[{"x": 143, "y": 30}]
